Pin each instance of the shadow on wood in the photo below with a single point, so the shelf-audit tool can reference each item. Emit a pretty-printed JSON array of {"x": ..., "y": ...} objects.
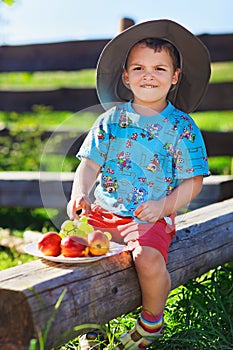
[{"x": 29, "y": 292}]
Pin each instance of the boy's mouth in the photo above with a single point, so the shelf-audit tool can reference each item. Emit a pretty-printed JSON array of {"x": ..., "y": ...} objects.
[{"x": 148, "y": 86}]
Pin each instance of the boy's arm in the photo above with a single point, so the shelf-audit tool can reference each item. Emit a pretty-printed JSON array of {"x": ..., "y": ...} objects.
[
  {"x": 84, "y": 179},
  {"x": 152, "y": 211}
]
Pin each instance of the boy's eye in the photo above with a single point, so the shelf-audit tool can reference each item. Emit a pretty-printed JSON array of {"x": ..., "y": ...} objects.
[
  {"x": 137, "y": 68},
  {"x": 160, "y": 68}
]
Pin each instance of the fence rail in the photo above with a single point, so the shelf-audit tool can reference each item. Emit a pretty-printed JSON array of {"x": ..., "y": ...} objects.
[{"x": 83, "y": 54}]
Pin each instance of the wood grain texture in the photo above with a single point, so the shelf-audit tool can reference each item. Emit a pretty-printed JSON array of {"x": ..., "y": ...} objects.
[{"x": 97, "y": 292}]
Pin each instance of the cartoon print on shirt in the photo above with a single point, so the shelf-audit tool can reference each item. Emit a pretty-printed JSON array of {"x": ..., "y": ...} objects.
[
  {"x": 178, "y": 159},
  {"x": 175, "y": 125},
  {"x": 170, "y": 188},
  {"x": 123, "y": 160},
  {"x": 143, "y": 180},
  {"x": 101, "y": 133},
  {"x": 142, "y": 156},
  {"x": 154, "y": 164},
  {"x": 134, "y": 136},
  {"x": 124, "y": 121},
  {"x": 110, "y": 184},
  {"x": 187, "y": 134},
  {"x": 151, "y": 131},
  {"x": 109, "y": 170},
  {"x": 128, "y": 143},
  {"x": 169, "y": 148},
  {"x": 138, "y": 195}
]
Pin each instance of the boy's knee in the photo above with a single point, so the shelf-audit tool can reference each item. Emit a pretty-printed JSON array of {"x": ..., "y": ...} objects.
[{"x": 148, "y": 259}]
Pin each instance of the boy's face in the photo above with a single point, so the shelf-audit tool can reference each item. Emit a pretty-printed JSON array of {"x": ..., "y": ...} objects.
[{"x": 150, "y": 75}]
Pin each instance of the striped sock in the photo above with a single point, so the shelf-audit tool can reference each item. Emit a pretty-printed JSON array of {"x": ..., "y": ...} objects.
[{"x": 150, "y": 324}]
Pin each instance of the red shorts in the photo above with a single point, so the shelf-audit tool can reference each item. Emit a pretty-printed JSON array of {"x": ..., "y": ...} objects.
[{"x": 126, "y": 230}]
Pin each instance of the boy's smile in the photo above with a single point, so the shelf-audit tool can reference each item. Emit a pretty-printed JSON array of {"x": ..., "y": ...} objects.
[{"x": 150, "y": 75}]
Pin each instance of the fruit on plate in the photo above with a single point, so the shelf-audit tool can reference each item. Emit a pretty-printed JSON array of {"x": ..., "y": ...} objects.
[
  {"x": 98, "y": 242},
  {"x": 50, "y": 244},
  {"x": 67, "y": 228},
  {"x": 78, "y": 227},
  {"x": 74, "y": 246}
]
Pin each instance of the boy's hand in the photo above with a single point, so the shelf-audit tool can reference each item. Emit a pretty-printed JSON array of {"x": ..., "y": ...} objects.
[
  {"x": 150, "y": 211},
  {"x": 82, "y": 204}
]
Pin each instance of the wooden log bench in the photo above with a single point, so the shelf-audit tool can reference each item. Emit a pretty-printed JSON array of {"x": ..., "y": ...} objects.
[{"x": 28, "y": 293}]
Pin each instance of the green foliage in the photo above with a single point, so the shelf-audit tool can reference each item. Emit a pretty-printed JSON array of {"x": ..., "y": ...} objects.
[
  {"x": 221, "y": 72},
  {"x": 214, "y": 121},
  {"x": 10, "y": 258},
  {"x": 39, "y": 80},
  {"x": 198, "y": 315},
  {"x": 20, "y": 219},
  {"x": 9, "y": 2}
]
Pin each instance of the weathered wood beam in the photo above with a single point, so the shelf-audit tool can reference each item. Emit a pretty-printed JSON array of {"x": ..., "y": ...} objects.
[
  {"x": 81, "y": 54},
  {"x": 217, "y": 98},
  {"x": 98, "y": 292},
  {"x": 67, "y": 55},
  {"x": 218, "y": 143},
  {"x": 52, "y": 190},
  {"x": 62, "y": 99}
]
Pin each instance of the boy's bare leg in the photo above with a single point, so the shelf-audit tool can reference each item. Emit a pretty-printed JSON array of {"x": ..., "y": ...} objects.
[{"x": 153, "y": 277}]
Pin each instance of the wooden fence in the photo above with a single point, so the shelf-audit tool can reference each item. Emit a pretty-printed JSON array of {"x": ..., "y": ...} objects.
[
  {"x": 83, "y": 54},
  {"x": 76, "y": 55}
]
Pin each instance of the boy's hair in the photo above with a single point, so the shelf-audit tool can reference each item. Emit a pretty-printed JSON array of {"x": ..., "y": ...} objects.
[{"x": 158, "y": 45}]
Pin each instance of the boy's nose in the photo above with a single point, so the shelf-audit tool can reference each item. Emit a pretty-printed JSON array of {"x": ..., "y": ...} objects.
[{"x": 148, "y": 75}]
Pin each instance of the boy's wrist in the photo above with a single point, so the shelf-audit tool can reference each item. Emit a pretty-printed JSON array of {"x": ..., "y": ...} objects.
[{"x": 164, "y": 202}]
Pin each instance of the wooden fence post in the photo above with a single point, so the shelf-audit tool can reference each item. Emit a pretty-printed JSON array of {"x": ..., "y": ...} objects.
[{"x": 125, "y": 23}]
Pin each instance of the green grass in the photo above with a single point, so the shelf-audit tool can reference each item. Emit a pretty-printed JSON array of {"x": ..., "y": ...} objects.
[
  {"x": 221, "y": 72},
  {"x": 49, "y": 80},
  {"x": 214, "y": 120},
  {"x": 45, "y": 118},
  {"x": 10, "y": 258}
]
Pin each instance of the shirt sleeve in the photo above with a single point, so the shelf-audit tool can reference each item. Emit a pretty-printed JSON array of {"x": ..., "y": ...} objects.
[
  {"x": 96, "y": 144},
  {"x": 190, "y": 157}
]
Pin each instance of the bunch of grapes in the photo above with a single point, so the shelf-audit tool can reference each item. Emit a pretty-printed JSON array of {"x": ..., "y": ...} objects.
[{"x": 78, "y": 227}]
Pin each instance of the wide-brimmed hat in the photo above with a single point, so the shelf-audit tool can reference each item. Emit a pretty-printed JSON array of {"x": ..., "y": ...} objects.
[{"x": 194, "y": 56}]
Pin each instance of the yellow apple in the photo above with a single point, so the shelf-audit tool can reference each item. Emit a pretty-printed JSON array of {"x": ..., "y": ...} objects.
[{"x": 98, "y": 243}]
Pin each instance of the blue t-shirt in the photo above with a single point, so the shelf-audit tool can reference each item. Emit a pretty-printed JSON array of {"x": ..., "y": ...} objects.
[{"x": 142, "y": 157}]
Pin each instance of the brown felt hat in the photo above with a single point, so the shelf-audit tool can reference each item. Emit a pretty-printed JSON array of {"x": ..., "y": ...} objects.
[{"x": 194, "y": 56}]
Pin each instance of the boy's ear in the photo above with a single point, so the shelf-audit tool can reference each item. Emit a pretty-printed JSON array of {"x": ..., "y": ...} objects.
[
  {"x": 125, "y": 77},
  {"x": 175, "y": 77}
]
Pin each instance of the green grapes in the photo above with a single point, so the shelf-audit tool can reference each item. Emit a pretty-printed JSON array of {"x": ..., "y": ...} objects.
[
  {"x": 85, "y": 227},
  {"x": 79, "y": 227},
  {"x": 67, "y": 228}
]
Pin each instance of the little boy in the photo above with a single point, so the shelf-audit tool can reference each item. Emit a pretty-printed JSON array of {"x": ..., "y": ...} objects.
[{"x": 149, "y": 154}]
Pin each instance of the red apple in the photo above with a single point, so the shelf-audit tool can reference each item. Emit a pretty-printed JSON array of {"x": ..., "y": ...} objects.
[
  {"x": 49, "y": 244},
  {"x": 98, "y": 243},
  {"x": 74, "y": 246}
]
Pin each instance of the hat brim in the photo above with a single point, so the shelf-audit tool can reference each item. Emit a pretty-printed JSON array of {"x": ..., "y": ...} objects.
[{"x": 194, "y": 57}]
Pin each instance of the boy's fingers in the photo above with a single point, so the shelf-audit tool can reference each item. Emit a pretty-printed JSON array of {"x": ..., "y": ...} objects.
[{"x": 138, "y": 210}]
